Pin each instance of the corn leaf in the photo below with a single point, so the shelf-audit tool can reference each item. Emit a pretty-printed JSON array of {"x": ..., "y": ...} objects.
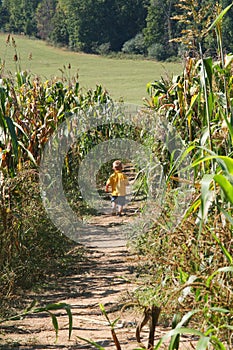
[
  {"x": 2, "y": 100},
  {"x": 230, "y": 127},
  {"x": 225, "y": 162},
  {"x": 30, "y": 155},
  {"x": 91, "y": 342},
  {"x": 51, "y": 307},
  {"x": 207, "y": 196},
  {"x": 210, "y": 103},
  {"x": 226, "y": 186},
  {"x": 105, "y": 313},
  {"x": 222, "y": 269},
  {"x": 219, "y": 309},
  {"x": 55, "y": 323},
  {"x": 174, "y": 343},
  {"x": 21, "y": 129},
  {"x": 228, "y": 60},
  {"x": 57, "y": 306},
  {"x": 208, "y": 64},
  {"x": 228, "y": 162},
  {"x": 218, "y": 342},
  {"x": 224, "y": 250},
  {"x": 193, "y": 208},
  {"x": 70, "y": 316},
  {"x": 203, "y": 343},
  {"x": 181, "y": 330},
  {"x": 179, "y": 164},
  {"x": 219, "y": 18},
  {"x": 13, "y": 136},
  {"x": 225, "y": 213},
  {"x": 193, "y": 102}
]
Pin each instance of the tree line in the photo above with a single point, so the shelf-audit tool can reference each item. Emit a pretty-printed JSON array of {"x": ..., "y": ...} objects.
[{"x": 157, "y": 28}]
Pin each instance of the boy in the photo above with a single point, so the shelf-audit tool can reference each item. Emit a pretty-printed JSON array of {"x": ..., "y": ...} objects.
[{"x": 118, "y": 182}]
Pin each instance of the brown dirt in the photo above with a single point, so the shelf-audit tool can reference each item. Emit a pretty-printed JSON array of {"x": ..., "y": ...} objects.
[{"x": 105, "y": 276}]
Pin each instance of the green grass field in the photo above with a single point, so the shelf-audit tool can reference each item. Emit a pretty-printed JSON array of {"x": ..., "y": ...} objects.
[{"x": 122, "y": 78}]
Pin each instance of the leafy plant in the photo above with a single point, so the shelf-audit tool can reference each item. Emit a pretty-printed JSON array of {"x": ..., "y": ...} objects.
[
  {"x": 112, "y": 327},
  {"x": 48, "y": 308},
  {"x": 31, "y": 247},
  {"x": 179, "y": 264}
]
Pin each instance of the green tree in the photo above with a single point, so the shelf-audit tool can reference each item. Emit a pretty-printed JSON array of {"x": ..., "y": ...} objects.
[
  {"x": 44, "y": 14},
  {"x": 129, "y": 19},
  {"x": 93, "y": 26},
  {"x": 21, "y": 16},
  {"x": 160, "y": 28},
  {"x": 228, "y": 27},
  {"x": 72, "y": 10},
  {"x": 92, "y": 23},
  {"x": 59, "y": 33},
  {"x": 4, "y": 16}
]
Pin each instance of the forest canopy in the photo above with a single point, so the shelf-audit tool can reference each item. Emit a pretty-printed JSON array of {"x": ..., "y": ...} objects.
[{"x": 155, "y": 28}]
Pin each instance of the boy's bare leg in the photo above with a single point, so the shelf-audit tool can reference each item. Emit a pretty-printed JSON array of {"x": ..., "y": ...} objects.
[
  {"x": 113, "y": 208},
  {"x": 120, "y": 210}
]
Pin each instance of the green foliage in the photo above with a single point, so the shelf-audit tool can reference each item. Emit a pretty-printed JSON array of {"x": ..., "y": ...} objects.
[
  {"x": 4, "y": 16},
  {"x": 158, "y": 51},
  {"x": 48, "y": 308},
  {"x": 46, "y": 20},
  {"x": 189, "y": 270},
  {"x": 112, "y": 327},
  {"x": 87, "y": 25},
  {"x": 135, "y": 45},
  {"x": 92, "y": 24},
  {"x": 103, "y": 49},
  {"x": 30, "y": 111},
  {"x": 160, "y": 29},
  {"x": 21, "y": 16},
  {"x": 186, "y": 270}
]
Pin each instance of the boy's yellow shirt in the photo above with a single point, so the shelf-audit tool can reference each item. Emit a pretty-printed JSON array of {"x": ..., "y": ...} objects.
[{"x": 118, "y": 182}]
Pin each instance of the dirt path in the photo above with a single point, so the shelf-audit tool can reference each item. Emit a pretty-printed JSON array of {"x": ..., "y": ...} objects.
[{"x": 102, "y": 278}]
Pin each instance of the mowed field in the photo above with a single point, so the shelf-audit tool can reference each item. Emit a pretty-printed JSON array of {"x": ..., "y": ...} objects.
[{"x": 123, "y": 78}]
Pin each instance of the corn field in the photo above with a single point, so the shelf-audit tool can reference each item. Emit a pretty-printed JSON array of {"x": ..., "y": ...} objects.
[{"x": 188, "y": 271}]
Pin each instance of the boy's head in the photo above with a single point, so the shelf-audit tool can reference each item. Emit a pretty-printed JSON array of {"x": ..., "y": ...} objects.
[{"x": 117, "y": 165}]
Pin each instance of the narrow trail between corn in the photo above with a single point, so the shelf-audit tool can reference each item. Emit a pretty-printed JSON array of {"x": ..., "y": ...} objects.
[{"x": 104, "y": 276}]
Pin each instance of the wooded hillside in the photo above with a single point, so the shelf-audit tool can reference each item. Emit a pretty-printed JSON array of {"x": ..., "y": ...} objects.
[{"x": 155, "y": 28}]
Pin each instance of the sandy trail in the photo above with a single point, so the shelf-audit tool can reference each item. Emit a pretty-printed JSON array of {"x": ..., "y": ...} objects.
[
  {"x": 106, "y": 276},
  {"x": 102, "y": 278}
]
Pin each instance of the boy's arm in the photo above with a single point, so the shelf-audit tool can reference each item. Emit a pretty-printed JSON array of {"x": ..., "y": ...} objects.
[
  {"x": 126, "y": 181},
  {"x": 107, "y": 186}
]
